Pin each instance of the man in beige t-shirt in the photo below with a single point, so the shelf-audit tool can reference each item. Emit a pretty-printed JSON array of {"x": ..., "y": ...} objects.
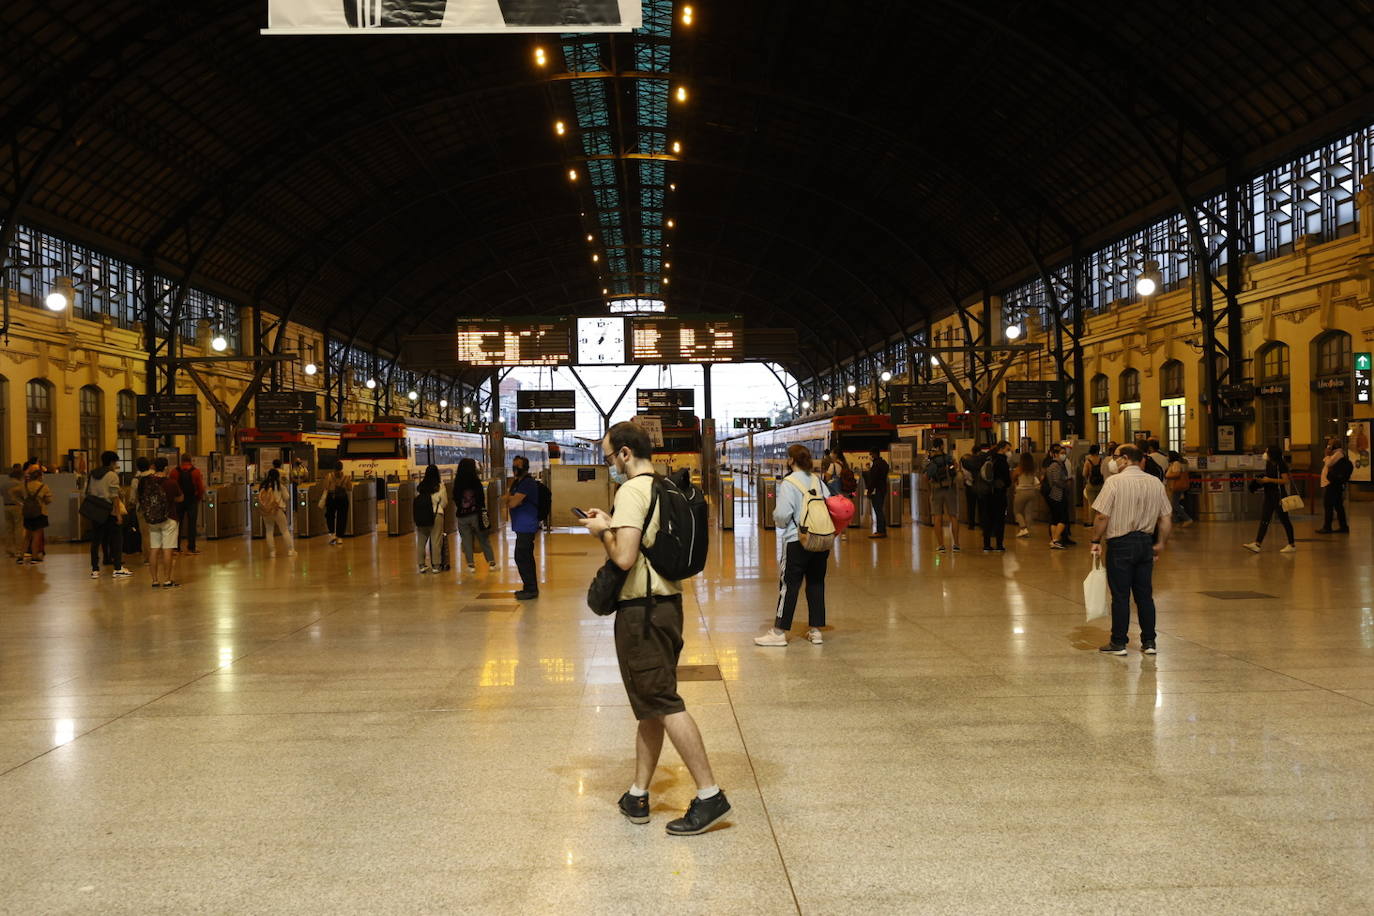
[{"x": 648, "y": 636}]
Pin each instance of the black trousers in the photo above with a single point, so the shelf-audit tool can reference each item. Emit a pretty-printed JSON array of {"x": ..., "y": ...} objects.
[
  {"x": 1271, "y": 506},
  {"x": 109, "y": 537},
  {"x": 336, "y": 513},
  {"x": 971, "y": 500},
  {"x": 1130, "y": 573},
  {"x": 878, "y": 501},
  {"x": 186, "y": 522},
  {"x": 993, "y": 510},
  {"x": 1333, "y": 504},
  {"x": 800, "y": 564},
  {"x": 524, "y": 561}
]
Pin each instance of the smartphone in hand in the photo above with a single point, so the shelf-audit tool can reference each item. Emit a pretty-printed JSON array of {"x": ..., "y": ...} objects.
[{"x": 580, "y": 513}]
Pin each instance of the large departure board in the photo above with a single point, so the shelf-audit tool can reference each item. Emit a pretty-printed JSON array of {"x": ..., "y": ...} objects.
[
  {"x": 514, "y": 342},
  {"x": 686, "y": 340}
]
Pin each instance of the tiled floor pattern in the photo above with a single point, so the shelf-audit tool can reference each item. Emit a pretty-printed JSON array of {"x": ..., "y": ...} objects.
[{"x": 335, "y": 733}]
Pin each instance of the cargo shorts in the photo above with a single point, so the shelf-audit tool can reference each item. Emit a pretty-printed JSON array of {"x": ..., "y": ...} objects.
[{"x": 648, "y": 652}]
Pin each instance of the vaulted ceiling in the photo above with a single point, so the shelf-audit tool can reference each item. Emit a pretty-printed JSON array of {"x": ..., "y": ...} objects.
[{"x": 847, "y": 168}]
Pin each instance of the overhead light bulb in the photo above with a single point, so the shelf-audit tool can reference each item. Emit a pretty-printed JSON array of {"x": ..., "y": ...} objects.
[
  {"x": 1145, "y": 286},
  {"x": 443, "y": 403},
  {"x": 596, "y": 258},
  {"x": 311, "y": 369},
  {"x": 572, "y": 174},
  {"x": 560, "y": 128},
  {"x": 666, "y": 281},
  {"x": 466, "y": 410},
  {"x": 672, "y": 224},
  {"x": 677, "y": 146},
  {"x": 886, "y": 376},
  {"x": 414, "y": 395},
  {"x": 1013, "y": 331},
  {"x": 218, "y": 343},
  {"x": 806, "y": 405},
  {"x": 687, "y": 12},
  {"x": 682, "y": 93},
  {"x": 590, "y": 237},
  {"x": 540, "y": 58},
  {"x": 668, "y": 265},
  {"x": 605, "y": 291},
  {"x": 935, "y": 361},
  {"x": 371, "y": 384},
  {"x": 61, "y": 295},
  {"x": 850, "y": 388},
  {"x": 672, "y": 187},
  {"x": 826, "y": 397}
]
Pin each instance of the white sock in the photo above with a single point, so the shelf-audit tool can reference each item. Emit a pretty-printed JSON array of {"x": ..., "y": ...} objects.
[
  {"x": 637, "y": 792},
  {"x": 708, "y": 792}
]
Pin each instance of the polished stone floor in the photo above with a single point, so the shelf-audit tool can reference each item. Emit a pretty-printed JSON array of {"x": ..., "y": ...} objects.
[{"x": 335, "y": 733}]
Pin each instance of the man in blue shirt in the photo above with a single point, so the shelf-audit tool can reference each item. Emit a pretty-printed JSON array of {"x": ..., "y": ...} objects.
[{"x": 522, "y": 501}]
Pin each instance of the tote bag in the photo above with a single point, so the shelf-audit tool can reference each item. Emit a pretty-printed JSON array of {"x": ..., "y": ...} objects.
[{"x": 1095, "y": 594}]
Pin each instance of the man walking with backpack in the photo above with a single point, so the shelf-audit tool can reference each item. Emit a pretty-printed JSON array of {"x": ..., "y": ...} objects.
[
  {"x": 806, "y": 535},
  {"x": 1336, "y": 471},
  {"x": 192, "y": 483},
  {"x": 648, "y": 631},
  {"x": 944, "y": 495},
  {"x": 522, "y": 501}
]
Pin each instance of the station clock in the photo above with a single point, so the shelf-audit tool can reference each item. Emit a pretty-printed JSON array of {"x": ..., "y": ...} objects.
[{"x": 601, "y": 341}]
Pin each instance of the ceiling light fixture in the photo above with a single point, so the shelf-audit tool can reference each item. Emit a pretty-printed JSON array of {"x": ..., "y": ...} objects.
[
  {"x": 540, "y": 58},
  {"x": 311, "y": 368},
  {"x": 61, "y": 295},
  {"x": 572, "y": 174},
  {"x": 560, "y": 128},
  {"x": 1013, "y": 331},
  {"x": 826, "y": 397},
  {"x": 414, "y": 395},
  {"x": 850, "y": 388},
  {"x": 682, "y": 93},
  {"x": 218, "y": 343},
  {"x": 687, "y": 14},
  {"x": 886, "y": 376},
  {"x": 371, "y": 384}
]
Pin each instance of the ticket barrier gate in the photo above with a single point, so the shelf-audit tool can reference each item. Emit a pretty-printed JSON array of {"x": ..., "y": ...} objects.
[
  {"x": 895, "y": 501},
  {"x": 725, "y": 502},
  {"x": 766, "y": 499},
  {"x": 860, "y": 499},
  {"x": 362, "y": 512},
  {"x": 920, "y": 500},
  {"x": 400, "y": 508},
  {"x": 308, "y": 520},
  {"x": 225, "y": 511}
]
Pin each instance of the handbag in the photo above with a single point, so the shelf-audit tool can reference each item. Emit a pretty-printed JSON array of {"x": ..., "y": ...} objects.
[
  {"x": 96, "y": 509},
  {"x": 1095, "y": 594},
  {"x": 484, "y": 519},
  {"x": 1291, "y": 503},
  {"x": 604, "y": 592}
]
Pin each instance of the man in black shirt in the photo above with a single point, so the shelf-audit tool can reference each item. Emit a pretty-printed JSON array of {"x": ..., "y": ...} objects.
[{"x": 876, "y": 482}]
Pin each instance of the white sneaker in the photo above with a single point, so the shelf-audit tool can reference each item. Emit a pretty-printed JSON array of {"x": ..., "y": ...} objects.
[
  {"x": 1289, "y": 548},
  {"x": 291, "y": 553},
  {"x": 423, "y": 570},
  {"x": 1253, "y": 547},
  {"x": 940, "y": 549},
  {"x": 771, "y": 639},
  {"x": 1023, "y": 533},
  {"x": 814, "y": 635},
  {"x": 472, "y": 568},
  {"x": 494, "y": 567},
  {"x": 123, "y": 573},
  {"x": 95, "y": 574}
]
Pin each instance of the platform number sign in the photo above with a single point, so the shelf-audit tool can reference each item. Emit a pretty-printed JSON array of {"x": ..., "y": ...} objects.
[{"x": 1364, "y": 374}]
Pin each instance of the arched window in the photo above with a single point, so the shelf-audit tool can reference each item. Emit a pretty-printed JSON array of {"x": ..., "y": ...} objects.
[
  {"x": 92, "y": 416},
  {"x": 1171, "y": 379},
  {"x": 1130, "y": 386},
  {"x": 1335, "y": 384},
  {"x": 38, "y": 402},
  {"x": 1275, "y": 393},
  {"x": 126, "y": 428},
  {"x": 1101, "y": 391}
]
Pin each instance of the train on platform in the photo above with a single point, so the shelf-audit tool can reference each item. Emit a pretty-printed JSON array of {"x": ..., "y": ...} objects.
[
  {"x": 392, "y": 448},
  {"x": 764, "y": 452}
]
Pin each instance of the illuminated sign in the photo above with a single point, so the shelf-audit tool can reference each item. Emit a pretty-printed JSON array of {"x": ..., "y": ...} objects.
[
  {"x": 514, "y": 342},
  {"x": 1364, "y": 374},
  {"x": 671, "y": 340}
]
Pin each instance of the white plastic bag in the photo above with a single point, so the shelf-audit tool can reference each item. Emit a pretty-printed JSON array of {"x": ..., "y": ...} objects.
[{"x": 1095, "y": 593}]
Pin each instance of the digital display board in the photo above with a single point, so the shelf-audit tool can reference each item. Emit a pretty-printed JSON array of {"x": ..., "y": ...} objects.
[
  {"x": 655, "y": 341},
  {"x": 919, "y": 404},
  {"x": 167, "y": 414},
  {"x": 287, "y": 411},
  {"x": 658, "y": 400},
  {"x": 514, "y": 342},
  {"x": 558, "y": 399},
  {"x": 1034, "y": 400}
]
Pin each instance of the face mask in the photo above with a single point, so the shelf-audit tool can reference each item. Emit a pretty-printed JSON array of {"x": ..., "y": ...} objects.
[{"x": 618, "y": 476}]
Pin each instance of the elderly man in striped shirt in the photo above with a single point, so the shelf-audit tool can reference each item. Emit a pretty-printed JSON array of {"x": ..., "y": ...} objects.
[{"x": 1135, "y": 517}]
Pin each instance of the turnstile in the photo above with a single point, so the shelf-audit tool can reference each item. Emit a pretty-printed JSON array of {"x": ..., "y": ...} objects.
[
  {"x": 400, "y": 508},
  {"x": 308, "y": 521},
  {"x": 920, "y": 500},
  {"x": 225, "y": 511},
  {"x": 895, "y": 501},
  {"x": 362, "y": 512},
  {"x": 584, "y": 486},
  {"x": 725, "y": 502},
  {"x": 766, "y": 497}
]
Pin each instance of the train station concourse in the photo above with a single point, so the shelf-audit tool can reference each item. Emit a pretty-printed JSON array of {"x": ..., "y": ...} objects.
[{"x": 631, "y": 456}]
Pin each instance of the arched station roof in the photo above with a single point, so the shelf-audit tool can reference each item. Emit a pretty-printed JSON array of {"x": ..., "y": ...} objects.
[{"x": 850, "y": 168}]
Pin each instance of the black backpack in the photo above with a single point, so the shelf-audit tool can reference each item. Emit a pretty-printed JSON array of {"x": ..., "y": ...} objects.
[
  {"x": 1095, "y": 473},
  {"x": 940, "y": 469},
  {"x": 1153, "y": 469},
  {"x": 982, "y": 483},
  {"x": 545, "y": 501},
  {"x": 1340, "y": 472},
  {"x": 423, "y": 510},
  {"x": 680, "y": 548}
]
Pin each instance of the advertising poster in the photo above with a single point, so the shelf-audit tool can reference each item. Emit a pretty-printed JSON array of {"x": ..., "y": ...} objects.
[
  {"x": 431, "y": 17},
  {"x": 1357, "y": 448}
]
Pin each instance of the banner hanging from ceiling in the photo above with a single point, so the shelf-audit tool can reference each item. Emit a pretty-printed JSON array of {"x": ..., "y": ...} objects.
[{"x": 430, "y": 17}]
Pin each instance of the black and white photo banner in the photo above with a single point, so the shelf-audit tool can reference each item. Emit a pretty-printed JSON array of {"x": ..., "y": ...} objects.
[{"x": 414, "y": 17}]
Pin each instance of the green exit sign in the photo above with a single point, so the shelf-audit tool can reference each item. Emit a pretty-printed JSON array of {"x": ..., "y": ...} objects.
[{"x": 1362, "y": 362}]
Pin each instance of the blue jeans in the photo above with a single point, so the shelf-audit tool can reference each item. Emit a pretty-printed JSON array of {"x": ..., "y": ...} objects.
[{"x": 1130, "y": 571}]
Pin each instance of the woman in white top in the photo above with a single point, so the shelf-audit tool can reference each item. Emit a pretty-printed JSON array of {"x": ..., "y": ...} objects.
[
  {"x": 1026, "y": 493},
  {"x": 272, "y": 497},
  {"x": 431, "y": 499},
  {"x": 797, "y": 563}
]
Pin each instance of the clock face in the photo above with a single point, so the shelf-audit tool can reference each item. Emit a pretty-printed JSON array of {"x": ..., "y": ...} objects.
[{"x": 601, "y": 341}]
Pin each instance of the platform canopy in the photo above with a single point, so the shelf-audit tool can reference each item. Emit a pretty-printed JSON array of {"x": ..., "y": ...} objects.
[{"x": 849, "y": 169}]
